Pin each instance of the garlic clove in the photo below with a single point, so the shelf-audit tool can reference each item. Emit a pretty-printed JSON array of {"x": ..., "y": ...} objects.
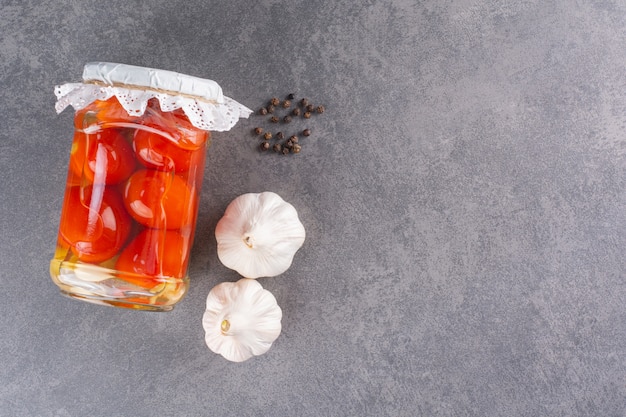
[
  {"x": 241, "y": 320},
  {"x": 259, "y": 235}
]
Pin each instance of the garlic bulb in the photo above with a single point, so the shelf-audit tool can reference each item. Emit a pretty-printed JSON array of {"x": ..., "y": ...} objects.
[
  {"x": 258, "y": 235},
  {"x": 241, "y": 319}
]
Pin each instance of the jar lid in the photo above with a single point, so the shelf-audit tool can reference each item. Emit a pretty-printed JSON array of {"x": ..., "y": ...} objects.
[
  {"x": 201, "y": 99},
  {"x": 169, "y": 82}
]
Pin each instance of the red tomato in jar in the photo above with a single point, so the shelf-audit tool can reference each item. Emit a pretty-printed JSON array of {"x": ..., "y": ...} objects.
[
  {"x": 102, "y": 111},
  {"x": 157, "y": 151},
  {"x": 94, "y": 222},
  {"x": 159, "y": 199},
  {"x": 176, "y": 125},
  {"x": 154, "y": 253},
  {"x": 195, "y": 174},
  {"x": 103, "y": 157}
]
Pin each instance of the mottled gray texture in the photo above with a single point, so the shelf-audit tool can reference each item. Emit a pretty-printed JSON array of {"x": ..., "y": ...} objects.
[{"x": 463, "y": 195}]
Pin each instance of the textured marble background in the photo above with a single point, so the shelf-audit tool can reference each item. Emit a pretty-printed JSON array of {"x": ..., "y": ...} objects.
[{"x": 464, "y": 199}]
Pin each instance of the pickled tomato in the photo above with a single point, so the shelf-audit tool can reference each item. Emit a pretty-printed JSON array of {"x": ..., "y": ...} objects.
[
  {"x": 94, "y": 222},
  {"x": 154, "y": 253},
  {"x": 159, "y": 199},
  {"x": 103, "y": 157}
]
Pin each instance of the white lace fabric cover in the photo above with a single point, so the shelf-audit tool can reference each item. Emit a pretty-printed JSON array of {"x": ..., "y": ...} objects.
[{"x": 218, "y": 113}]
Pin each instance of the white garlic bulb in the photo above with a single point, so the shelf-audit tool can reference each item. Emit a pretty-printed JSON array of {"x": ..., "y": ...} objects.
[
  {"x": 241, "y": 320},
  {"x": 259, "y": 235}
]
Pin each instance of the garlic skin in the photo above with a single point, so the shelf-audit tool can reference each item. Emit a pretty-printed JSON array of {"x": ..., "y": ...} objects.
[
  {"x": 259, "y": 235},
  {"x": 241, "y": 320}
]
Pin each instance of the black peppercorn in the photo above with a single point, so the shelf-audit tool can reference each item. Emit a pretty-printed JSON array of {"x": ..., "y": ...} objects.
[{"x": 279, "y": 142}]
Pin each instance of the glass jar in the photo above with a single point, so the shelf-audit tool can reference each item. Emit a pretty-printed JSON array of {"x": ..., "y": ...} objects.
[{"x": 133, "y": 185}]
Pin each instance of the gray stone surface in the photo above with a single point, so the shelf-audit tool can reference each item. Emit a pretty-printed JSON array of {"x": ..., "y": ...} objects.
[{"x": 464, "y": 199}]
